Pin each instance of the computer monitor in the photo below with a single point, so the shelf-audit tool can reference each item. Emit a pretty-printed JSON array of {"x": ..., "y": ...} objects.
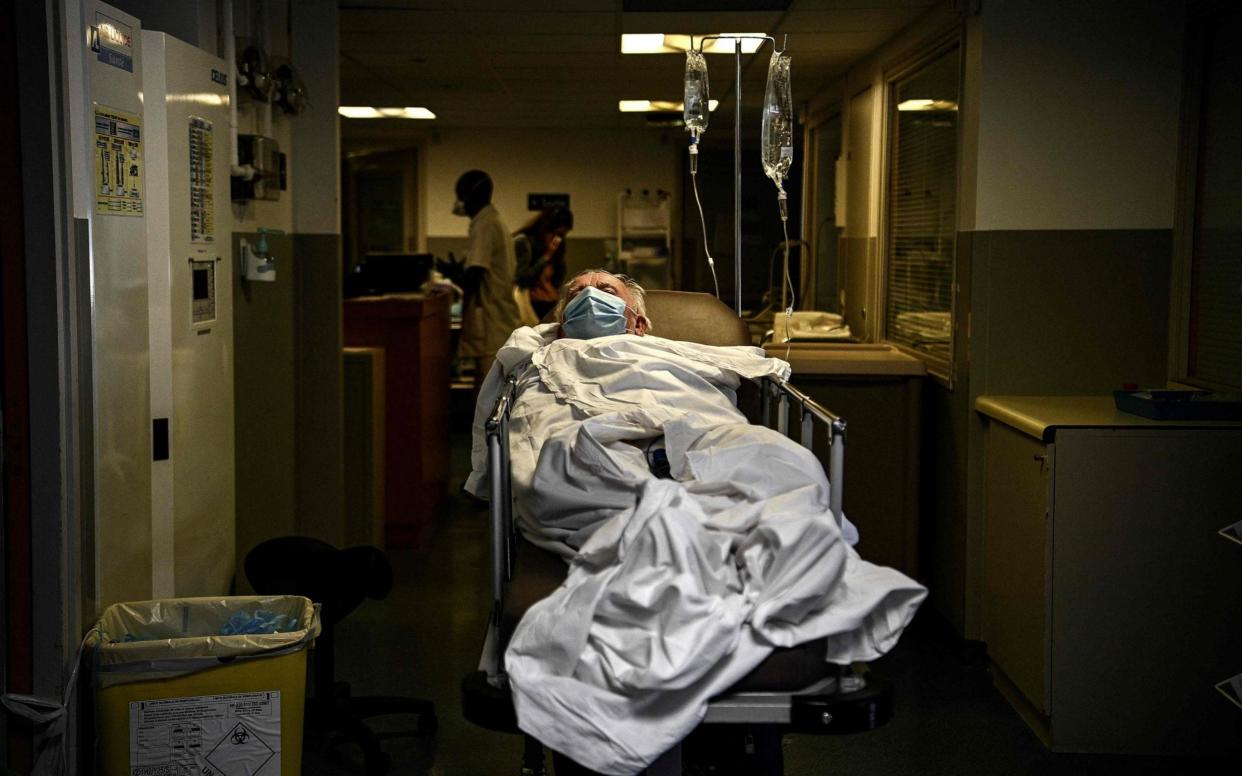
[{"x": 389, "y": 273}]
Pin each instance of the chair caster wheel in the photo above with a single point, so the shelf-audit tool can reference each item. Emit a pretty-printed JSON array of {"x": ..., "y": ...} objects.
[
  {"x": 427, "y": 725},
  {"x": 376, "y": 763}
]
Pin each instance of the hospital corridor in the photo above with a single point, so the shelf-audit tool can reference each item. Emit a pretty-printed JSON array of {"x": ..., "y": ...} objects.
[{"x": 620, "y": 387}]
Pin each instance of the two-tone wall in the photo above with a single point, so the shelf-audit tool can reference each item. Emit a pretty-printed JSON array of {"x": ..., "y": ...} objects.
[
  {"x": 1067, "y": 250},
  {"x": 287, "y": 333},
  {"x": 592, "y": 166},
  {"x": 1067, "y": 177}
]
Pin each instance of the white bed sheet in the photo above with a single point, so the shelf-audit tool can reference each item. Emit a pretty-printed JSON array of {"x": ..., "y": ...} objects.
[{"x": 676, "y": 588}]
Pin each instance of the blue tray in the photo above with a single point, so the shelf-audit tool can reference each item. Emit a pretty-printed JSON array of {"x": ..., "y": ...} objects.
[{"x": 1159, "y": 404}]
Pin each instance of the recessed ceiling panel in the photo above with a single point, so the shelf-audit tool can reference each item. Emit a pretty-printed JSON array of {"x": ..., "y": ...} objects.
[
  {"x": 850, "y": 20},
  {"x": 558, "y": 63},
  {"x": 699, "y": 24},
  {"x": 703, "y": 6},
  {"x": 465, "y": 24}
]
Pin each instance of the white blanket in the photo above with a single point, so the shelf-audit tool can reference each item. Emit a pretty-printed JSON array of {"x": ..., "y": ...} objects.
[{"x": 677, "y": 588}]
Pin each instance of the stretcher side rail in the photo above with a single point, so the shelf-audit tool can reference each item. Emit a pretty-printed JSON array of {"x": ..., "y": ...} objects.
[
  {"x": 810, "y": 411},
  {"x": 500, "y": 518}
]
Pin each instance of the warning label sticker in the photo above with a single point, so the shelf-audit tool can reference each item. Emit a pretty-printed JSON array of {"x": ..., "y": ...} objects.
[
  {"x": 206, "y": 735},
  {"x": 118, "y": 162},
  {"x": 202, "y": 189}
]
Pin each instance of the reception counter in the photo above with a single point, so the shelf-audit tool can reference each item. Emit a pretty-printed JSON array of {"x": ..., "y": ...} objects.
[{"x": 413, "y": 330}]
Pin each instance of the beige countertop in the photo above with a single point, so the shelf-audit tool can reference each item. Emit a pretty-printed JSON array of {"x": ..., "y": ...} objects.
[
  {"x": 846, "y": 358},
  {"x": 1039, "y": 415}
]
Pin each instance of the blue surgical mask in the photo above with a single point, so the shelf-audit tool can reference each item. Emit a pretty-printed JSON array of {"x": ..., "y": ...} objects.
[{"x": 594, "y": 313}]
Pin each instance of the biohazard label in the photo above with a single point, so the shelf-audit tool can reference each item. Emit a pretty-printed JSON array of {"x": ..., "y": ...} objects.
[{"x": 206, "y": 735}]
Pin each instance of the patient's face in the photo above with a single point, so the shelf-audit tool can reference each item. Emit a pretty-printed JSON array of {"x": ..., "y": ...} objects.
[{"x": 609, "y": 284}]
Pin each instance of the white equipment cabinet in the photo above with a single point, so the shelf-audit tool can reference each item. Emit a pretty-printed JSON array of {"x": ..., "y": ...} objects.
[
  {"x": 112, "y": 205},
  {"x": 1109, "y": 596},
  {"x": 645, "y": 237},
  {"x": 190, "y": 281}
]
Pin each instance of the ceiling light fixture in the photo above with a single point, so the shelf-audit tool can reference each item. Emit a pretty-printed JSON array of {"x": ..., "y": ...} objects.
[
  {"x": 661, "y": 106},
  {"x": 660, "y": 43},
  {"x": 940, "y": 105},
  {"x": 364, "y": 112}
]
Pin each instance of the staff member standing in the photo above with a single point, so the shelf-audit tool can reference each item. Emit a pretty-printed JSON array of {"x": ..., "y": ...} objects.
[{"x": 489, "y": 314}]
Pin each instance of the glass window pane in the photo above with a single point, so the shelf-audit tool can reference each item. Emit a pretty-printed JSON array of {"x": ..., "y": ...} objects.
[
  {"x": 1215, "y": 347},
  {"x": 921, "y": 198},
  {"x": 824, "y": 230}
]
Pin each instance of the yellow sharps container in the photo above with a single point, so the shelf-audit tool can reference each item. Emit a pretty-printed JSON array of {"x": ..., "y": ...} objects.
[{"x": 180, "y": 691}]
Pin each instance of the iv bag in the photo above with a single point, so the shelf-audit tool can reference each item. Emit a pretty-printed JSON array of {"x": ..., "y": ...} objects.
[
  {"x": 778, "y": 121},
  {"x": 696, "y": 101}
]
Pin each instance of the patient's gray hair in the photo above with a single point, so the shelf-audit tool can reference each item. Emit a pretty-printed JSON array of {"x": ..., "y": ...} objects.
[{"x": 638, "y": 292}]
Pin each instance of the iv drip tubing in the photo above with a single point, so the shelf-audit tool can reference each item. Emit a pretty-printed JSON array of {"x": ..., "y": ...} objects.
[
  {"x": 711, "y": 263},
  {"x": 787, "y": 284}
]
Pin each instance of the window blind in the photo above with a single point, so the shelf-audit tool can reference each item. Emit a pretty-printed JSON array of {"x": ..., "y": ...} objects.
[
  {"x": 921, "y": 200},
  {"x": 1215, "y": 346}
]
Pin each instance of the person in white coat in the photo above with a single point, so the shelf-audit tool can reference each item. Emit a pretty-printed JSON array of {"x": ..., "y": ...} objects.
[{"x": 489, "y": 314}]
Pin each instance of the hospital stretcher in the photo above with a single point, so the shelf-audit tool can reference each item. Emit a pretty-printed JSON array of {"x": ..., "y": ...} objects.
[{"x": 794, "y": 689}]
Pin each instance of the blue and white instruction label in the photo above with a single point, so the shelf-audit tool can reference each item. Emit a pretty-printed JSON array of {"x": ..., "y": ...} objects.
[{"x": 206, "y": 735}]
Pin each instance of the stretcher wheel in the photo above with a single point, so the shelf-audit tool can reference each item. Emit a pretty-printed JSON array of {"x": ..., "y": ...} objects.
[
  {"x": 846, "y": 712},
  {"x": 487, "y": 706}
]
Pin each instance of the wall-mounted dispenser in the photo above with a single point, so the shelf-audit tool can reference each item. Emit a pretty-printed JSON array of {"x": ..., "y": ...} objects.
[
  {"x": 254, "y": 74},
  {"x": 256, "y": 261},
  {"x": 263, "y": 156},
  {"x": 290, "y": 90}
]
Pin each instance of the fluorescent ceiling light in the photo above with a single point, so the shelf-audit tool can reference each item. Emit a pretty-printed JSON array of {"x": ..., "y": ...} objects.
[
  {"x": 940, "y": 105},
  {"x": 642, "y": 44},
  {"x": 659, "y": 43},
  {"x": 363, "y": 112},
  {"x": 200, "y": 98},
  {"x": 662, "y": 106}
]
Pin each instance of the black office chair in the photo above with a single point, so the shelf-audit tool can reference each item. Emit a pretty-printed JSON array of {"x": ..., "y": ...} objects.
[{"x": 338, "y": 580}]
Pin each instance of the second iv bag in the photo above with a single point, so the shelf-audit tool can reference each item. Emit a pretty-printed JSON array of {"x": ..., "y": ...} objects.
[
  {"x": 777, "y": 121},
  {"x": 696, "y": 100}
]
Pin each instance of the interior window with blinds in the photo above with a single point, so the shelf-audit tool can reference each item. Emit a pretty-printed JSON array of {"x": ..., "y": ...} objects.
[
  {"x": 921, "y": 198},
  {"x": 1214, "y": 352}
]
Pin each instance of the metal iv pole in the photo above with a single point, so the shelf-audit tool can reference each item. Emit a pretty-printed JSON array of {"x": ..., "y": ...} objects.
[{"x": 737, "y": 152}]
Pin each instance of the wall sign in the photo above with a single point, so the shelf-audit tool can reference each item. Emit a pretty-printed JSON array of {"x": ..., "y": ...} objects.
[
  {"x": 540, "y": 201},
  {"x": 113, "y": 42}
]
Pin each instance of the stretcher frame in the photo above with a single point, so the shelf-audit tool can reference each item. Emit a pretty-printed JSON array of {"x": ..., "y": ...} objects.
[{"x": 845, "y": 702}]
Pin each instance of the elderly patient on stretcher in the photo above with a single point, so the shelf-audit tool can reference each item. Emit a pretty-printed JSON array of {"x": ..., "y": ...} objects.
[{"x": 696, "y": 542}]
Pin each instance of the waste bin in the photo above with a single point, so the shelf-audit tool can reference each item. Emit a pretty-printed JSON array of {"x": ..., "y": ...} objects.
[{"x": 176, "y": 694}]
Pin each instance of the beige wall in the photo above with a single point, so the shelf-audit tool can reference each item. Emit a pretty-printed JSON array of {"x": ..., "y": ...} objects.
[
  {"x": 1078, "y": 114},
  {"x": 592, "y": 166},
  {"x": 1067, "y": 171}
]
